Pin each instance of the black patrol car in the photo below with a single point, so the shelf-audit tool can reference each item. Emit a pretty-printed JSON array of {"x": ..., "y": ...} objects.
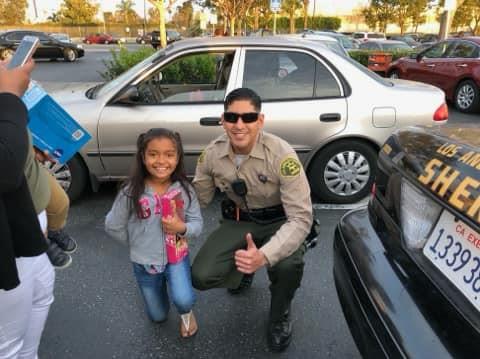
[{"x": 407, "y": 267}]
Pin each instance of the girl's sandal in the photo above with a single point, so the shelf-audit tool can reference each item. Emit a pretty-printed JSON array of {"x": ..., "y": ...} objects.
[{"x": 188, "y": 325}]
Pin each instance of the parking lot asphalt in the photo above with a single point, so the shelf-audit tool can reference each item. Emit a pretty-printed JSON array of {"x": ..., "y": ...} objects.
[{"x": 98, "y": 312}]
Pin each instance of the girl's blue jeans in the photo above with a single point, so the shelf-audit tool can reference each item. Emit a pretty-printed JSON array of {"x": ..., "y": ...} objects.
[{"x": 154, "y": 289}]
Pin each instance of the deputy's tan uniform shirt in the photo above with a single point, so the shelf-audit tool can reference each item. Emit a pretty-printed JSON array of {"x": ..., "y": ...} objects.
[{"x": 273, "y": 175}]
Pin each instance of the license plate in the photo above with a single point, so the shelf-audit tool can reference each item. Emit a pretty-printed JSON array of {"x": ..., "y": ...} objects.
[{"x": 454, "y": 248}]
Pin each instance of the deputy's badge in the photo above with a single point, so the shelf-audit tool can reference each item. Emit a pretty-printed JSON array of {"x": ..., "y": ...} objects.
[
  {"x": 290, "y": 167},
  {"x": 201, "y": 158}
]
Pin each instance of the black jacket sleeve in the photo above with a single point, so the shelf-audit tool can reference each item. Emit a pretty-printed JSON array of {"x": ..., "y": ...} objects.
[{"x": 13, "y": 141}]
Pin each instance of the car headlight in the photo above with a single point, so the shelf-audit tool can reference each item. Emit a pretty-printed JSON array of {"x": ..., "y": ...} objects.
[{"x": 418, "y": 214}]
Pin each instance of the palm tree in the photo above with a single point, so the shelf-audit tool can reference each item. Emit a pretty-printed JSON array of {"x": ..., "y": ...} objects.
[{"x": 125, "y": 8}]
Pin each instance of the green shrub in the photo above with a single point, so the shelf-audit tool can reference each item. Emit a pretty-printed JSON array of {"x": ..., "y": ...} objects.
[
  {"x": 123, "y": 59},
  {"x": 362, "y": 55},
  {"x": 198, "y": 69}
]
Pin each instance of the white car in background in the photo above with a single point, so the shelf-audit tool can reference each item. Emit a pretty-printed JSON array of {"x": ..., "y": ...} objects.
[{"x": 333, "y": 111}]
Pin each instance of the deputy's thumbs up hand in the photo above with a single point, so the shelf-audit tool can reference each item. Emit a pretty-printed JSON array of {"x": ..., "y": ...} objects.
[{"x": 250, "y": 259}]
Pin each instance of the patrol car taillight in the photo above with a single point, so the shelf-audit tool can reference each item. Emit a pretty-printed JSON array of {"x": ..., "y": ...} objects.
[
  {"x": 418, "y": 214},
  {"x": 442, "y": 113}
]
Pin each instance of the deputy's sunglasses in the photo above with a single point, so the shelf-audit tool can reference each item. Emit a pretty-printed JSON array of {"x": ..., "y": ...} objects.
[{"x": 232, "y": 117}]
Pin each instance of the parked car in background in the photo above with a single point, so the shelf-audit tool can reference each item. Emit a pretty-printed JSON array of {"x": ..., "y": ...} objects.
[
  {"x": 410, "y": 41},
  {"x": 365, "y": 36},
  {"x": 61, "y": 37},
  {"x": 172, "y": 35},
  {"x": 144, "y": 39},
  {"x": 48, "y": 48},
  {"x": 99, "y": 39},
  {"x": 329, "y": 41},
  {"x": 407, "y": 268},
  {"x": 347, "y": 42},
  {"x": 452, "y": 65},
  {"x": 384, "y": 45},
  {"x": 429, "y": 38},
  {"x": 333, "y": 111}
]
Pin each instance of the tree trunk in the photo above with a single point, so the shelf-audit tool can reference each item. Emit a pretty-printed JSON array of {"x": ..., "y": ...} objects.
[
  {"x": 232, "y": 26},
  {"x": 305, "y": 20},
  {"x": 239, "y": 27},
  {"x": 256, "y": 18},
  {"x": 292, "y": 23}
]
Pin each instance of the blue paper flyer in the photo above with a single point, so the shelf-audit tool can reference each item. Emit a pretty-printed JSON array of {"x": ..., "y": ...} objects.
[{"x": 52, "y": 128}]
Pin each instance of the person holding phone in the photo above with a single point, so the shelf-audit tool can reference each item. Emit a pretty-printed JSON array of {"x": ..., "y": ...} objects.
[{"x": 26, "y": 275}]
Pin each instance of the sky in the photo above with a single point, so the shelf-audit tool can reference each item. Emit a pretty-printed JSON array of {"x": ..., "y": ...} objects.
[{"x": 325, "y": 7}]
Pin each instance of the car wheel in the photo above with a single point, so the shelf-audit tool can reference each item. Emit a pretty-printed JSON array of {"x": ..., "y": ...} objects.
[
  {"x": 343, "y": 172},
  {"x": 467, "y": 97},
  {"x": 154, "y": 46},
  {"x": 88, "y": 42},
  {"x": 106, "y": 42},
  {"x": 72, "y": 176},
  {"x": 69, "y": 55},
  {"x": 143, "y": 42},
  {"x": 394, "y": 74}
]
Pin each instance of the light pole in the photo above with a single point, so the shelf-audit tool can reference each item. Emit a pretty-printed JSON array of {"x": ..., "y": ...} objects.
[
  {"x": 35, "y": 8},
  {"x": 144, "y": 17}
]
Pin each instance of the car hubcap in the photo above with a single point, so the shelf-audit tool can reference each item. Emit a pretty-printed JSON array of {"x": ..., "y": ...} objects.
[
  {"x": 465, "y": 96},
  {"x": 347, "y": 173},
  {"x": 71, "y": 55},
  {"x": 394, "y": 75},
  {"x": 61, "y": 173}
]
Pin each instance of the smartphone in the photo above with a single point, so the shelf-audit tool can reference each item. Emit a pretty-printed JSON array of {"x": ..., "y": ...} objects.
[{"x": 24, "y": 51}]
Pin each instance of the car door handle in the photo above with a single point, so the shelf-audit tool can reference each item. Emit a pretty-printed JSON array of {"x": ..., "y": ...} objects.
[
  {"x": 430, "y": 65},
  {"x": 210, "y": 121},
  {"x": 330, "y": 117},
  {"x": 461, "y": 65}
]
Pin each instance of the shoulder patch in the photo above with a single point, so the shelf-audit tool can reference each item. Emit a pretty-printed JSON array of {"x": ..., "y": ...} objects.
[
  {"x": 290, "y": 167},
  {"x": 201, "y": 158}
]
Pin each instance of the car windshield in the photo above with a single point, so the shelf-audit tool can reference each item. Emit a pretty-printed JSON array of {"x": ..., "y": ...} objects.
[
  {"x": 396, "y": 47},
  {"x": 346, "y": 42},
  {"x": 108, "y": 86},
  {"x": 369, "y": 73},
  {"x": 376, "y": 36},
  {"x": 335, "y": 46}
]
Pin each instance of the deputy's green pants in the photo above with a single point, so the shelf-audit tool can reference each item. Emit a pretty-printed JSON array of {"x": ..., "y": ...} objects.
[{"x": 214, "y": 265}]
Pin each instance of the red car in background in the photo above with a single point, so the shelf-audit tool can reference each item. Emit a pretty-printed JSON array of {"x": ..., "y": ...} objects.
[
  {"x": 452, "y": 65},
  {"x": 99, "y": 39}
]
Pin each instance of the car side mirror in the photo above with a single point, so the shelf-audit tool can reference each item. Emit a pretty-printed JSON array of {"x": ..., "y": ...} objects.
[
  {"x": 419, "y": 57},
  {"x": 129, "y": 96}
]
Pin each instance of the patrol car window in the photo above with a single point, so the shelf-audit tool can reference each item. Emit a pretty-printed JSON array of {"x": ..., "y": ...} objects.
[
  {"x": 464, "y": 49},
  {"x": 193, "y": 78},
  {"x": 277, "y": 75}
]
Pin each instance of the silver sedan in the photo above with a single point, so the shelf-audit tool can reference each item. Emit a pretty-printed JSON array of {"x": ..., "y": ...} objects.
[{"x": 332, "y": 110}]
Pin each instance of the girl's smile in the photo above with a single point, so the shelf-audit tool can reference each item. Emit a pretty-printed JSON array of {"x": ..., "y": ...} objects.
[{"x": 160, "y": 159}]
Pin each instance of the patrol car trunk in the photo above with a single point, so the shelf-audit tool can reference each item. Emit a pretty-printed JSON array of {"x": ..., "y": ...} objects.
[{"x": 427, "y": 205}]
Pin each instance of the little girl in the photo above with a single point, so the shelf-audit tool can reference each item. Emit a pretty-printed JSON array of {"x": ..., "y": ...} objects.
[{"x": 137, "y": 219}]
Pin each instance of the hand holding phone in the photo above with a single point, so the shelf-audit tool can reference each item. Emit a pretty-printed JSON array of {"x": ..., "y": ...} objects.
[{"x": 24, "y": 52}]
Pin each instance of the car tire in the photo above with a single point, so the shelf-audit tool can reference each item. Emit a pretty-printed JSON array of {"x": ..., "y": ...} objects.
[
  {"x": 394, "y": 74},
  {"x": 72, "y": 176},
  {"x": 467, "y": 97},
  {"x": 343, "y": 172},
  {"x": 154, "y": 46},
  {"x": 142, "y": 42},
  {"x": 69, "y": 55}
]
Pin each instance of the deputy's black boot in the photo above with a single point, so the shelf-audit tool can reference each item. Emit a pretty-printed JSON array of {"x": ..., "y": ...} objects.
[{"x": 279, "y": 333}]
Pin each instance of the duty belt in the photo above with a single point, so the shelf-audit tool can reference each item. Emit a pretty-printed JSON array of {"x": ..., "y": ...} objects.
[{"x": 231, "y": 211}]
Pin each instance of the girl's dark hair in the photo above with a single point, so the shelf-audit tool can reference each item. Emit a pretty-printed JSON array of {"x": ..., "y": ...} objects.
[{"x": 134, "y": 187}]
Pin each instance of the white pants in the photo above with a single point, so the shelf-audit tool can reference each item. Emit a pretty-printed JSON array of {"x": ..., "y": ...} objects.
[{"x": 24, "y": 310}]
